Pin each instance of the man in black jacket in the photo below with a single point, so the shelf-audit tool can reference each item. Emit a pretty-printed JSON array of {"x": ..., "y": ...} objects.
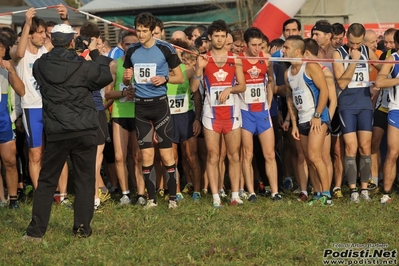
[{"x": 70, "y": 122}]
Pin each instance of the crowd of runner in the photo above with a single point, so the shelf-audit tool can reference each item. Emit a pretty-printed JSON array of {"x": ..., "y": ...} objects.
[{"x": 183, "y": 113}]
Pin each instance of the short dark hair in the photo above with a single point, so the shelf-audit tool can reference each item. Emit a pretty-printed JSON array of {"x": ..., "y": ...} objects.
[
  {"x": 277, "y": 42},
  {"x": 4, "y": 42},
  {"x": 126, "y": 33},
  {"x": 356, "y": 29},
  {"x": 159, "y": 23},
  {"x": 253, "y": 32},
  {"x": 89, "y": 30},
  {"x": 50, "y": 23},
  {"x": 237, "y": 34},
  {"x": 266, "y": 39},
  {"x": 189, "y": 31},
  {"x": 297, "y": 41},
  {"x": 36, "y": 23},
  {"x": 200, "y": 28},
  {"x": 292, "y": 20},
  {"x": 218, "y": 25},
  {"x": 146, "y": 20},
  {"x": 389, "y": 31},
  {"x": 396, "y": 37},
  {"x": 9, "y": 34},
  {"x": 179, "y": 43},
  {"x": 338, "y": 28},
  {"x": 312, "y": 46}
]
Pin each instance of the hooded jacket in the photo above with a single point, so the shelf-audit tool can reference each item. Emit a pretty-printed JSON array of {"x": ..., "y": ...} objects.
[{"x": 66, "y": 81}]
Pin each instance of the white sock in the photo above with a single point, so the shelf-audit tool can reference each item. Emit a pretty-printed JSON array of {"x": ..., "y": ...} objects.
[
  {"x": 234, "y": 195},
  {"x": 375, "y": 180},
  {"x": 97, "y": 202},
  {"x": 63, "y": 196},
  {"x": 305, "y": 192},
  {"x": 216, "y": 197}
]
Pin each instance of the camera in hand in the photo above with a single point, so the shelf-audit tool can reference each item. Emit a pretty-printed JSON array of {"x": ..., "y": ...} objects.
[{"x": 80, "y": 45}]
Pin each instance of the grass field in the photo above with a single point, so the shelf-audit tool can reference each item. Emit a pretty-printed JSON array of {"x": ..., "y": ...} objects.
[{"x": 263, "y": 233}]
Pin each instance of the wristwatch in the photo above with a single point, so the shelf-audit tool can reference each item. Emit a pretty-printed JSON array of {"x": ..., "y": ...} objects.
[
  {"x": 317, "y": 115},
  {"x": 167, "y": 79}
]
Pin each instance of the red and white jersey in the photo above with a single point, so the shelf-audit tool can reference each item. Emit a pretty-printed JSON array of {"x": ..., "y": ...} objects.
[
  {"x": 216, "y": 79},
  {"x": 254, "y": 99}
]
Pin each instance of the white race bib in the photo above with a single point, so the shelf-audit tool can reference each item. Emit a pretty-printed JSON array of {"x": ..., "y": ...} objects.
[
  {"x": 255, "y": 93},
  {"x": 144, "y": 72},
  {"x": 360, "y": 78},
  {"x": 298, "y": 96},
  {"x": 214, "y": 95},
  {"x": 178, "y": 104}
]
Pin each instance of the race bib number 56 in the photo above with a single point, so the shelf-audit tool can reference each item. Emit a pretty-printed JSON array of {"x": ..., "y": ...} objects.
[{"x": 144, "y": 72}]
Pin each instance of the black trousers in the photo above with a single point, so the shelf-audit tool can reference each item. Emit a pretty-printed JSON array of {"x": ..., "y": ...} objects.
[{"x": 82, "y": 152}]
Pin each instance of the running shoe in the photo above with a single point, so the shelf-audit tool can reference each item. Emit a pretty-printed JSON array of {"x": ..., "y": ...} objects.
[
  {"x": 252, "y": 198},
  {"x": 31, "y": 239},
  {"x": 188, "y": 188},
  {"x": 313, "y": 201},
  {"x": 161, "y": 192},
  {"x": 371, "y": 185},
  {"x": 222, "y": 193},
  {"x": 236, "y": 201},
  {"x": 243, "y": 194},
  {"x": 125, "y": 200},
  {"x": 104, "y": 196},
  {"x": 355, "y": 197},
  {"x": 196, "y": 196},
  {"x": 140, "y": 201},
  {"x": 386, "y": 199},
  {"x": 217, "y": 204},
  {"x": 3, "y": 203},
  {"x": 337, "y": 194},
  {"x": 277, "y": 197},
  {"x": 364, "y": 195},
  {"x": 302, "y": 197},
  {"x": 172, "y": 204},
  {"x": 179, "y": 196},
  {"x": 287, "y": 183},
  {"x": 150, "y": 204},
  {"x": 13, "y": 205},
  {"x": 204, "y": 191},
  {"x": 326, "y": 201},
  {"x": 66, "y": 203}
]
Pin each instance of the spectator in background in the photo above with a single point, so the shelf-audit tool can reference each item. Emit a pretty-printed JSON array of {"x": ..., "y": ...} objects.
[
  {"x": 238, "y": 41},
  {"x": 107, "y": 47},
  {"x": 292, "y": 27},
  {"x": 198, "y": 31},
  {"x": 338, "y": 35},
  {"x": 159, "y": 31},
  {"x": 189, "y": 33}
]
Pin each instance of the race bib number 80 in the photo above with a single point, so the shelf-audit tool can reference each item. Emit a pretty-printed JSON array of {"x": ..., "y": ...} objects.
[{"x": 255, "y": 93}]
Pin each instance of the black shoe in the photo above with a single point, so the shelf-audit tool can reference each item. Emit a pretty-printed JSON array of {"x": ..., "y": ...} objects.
[
  {"x": 21, "y": 195},
  {"x": 277, "y": 197},
  {"x": 13, "y": 205},
  {"x": 81, "y": 232},
  {"x": 252, "y": 198}
]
